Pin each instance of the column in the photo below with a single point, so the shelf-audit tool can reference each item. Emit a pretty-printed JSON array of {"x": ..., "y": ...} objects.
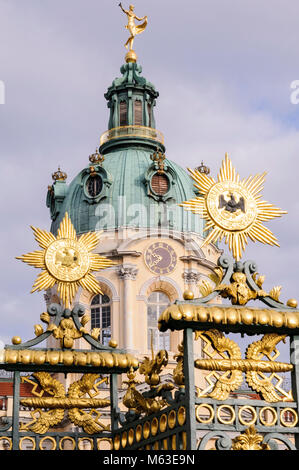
[
  {"x": 16, "y": 410},
  {"x": 191, "y": 278},
  {"x": 294, "y": 355},
  {"x": 189, "y": 389},
  {"x": 127, "y": 273}
]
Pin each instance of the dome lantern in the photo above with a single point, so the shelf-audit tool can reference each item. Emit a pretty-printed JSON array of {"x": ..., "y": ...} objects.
[{"x": 131, "y": 100}]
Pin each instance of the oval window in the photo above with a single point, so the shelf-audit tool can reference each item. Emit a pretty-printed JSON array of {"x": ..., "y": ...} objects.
[
  {"x": 94, "y": 185},
  {"x": 160, "y": 183}
]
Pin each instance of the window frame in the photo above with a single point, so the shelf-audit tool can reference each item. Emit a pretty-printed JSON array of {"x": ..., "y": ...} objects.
[
  {"x": 158, "y": 339},
  {"x": 96, "y": 317}
]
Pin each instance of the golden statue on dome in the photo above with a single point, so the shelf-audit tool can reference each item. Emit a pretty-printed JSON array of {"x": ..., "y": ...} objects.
[{"x": 134, "y": 30}]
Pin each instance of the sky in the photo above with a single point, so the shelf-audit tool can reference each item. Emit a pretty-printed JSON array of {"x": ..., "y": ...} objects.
[{"x": 228, "y": 67}]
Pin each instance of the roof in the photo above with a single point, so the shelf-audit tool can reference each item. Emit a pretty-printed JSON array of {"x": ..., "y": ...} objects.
[
  {"x": 127, "y": 199},
  {"x": 6, "y": 389}
]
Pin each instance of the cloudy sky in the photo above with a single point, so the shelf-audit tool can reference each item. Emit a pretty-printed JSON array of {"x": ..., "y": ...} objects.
[{"x": 226, "y": 65}]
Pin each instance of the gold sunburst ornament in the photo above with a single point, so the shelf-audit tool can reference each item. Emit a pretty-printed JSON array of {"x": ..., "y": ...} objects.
[
  {"x": 66, "y": 261},
  {"x": 233, "y": 208}
]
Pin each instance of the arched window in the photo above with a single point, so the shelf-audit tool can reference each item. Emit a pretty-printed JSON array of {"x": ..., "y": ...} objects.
[
  {"x": 101, "y": 317},
  {"x": 94, "y": 185},
  {"x": 156, "y": 304}
]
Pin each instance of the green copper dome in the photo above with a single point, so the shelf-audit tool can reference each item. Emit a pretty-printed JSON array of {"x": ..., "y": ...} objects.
[
  {"x": 127, "y": 198},
  {"x": 130, "y": 183}
]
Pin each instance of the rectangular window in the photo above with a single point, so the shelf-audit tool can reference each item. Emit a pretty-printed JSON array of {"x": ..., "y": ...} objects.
[
  {"x": 123, "y": 113},
  {"x": 149, "y": 110},
  {"x": 138, "y": 113}
]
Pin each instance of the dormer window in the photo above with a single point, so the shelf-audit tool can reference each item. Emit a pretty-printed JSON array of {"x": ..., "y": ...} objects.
[
  {"x": 160, "y": 183},
  {"x": 94, "y": 185}
]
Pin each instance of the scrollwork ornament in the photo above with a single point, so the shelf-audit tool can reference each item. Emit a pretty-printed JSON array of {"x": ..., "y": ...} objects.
[
  {"x": 272, "y": 438},
  {"x": 222, "y": 440}
]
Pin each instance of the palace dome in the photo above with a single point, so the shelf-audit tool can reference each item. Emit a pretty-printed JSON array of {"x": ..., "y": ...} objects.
[
  {"x": 130, "y": 183},
  {"x": 128, "y": 201}
]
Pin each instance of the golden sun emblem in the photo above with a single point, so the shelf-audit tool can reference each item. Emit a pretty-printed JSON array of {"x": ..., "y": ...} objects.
[
  {"x": 232, "y": 208},
  {"x": 66, "y": 260}
]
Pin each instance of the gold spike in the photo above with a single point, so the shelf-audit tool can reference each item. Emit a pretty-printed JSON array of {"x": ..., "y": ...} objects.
[
  {"x": 43, "y": 238},
  {"x": 35, "y": 258}
]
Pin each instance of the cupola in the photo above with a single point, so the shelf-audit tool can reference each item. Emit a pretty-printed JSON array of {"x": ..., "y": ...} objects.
[{"x": 131, "y": 100}]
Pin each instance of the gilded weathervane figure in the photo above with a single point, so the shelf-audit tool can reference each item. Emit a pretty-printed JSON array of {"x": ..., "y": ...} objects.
[{"x": 134, "y": 30}]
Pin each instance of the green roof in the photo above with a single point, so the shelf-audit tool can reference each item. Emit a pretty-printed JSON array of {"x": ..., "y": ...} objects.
[{"x": 127, "y": 199}]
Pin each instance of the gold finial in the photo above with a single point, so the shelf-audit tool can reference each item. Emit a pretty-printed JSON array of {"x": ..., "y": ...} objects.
[
  {"x": 59, "y": 175},
  {"x": 203, "y": 168},
  {"x": 16, "y": 340},
  {"x": 292, "y": 303},
  {"x": 96, "y": 158},
  {"x": 134, "y": 30},
  {"x": 188, "y": 295},
  {"x": 113, "y": 343}
]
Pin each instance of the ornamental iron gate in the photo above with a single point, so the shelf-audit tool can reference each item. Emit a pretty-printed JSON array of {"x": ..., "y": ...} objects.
[
  {"x": 57, "y": 418},
  {"x": 213, "y": 417},
  {"x": 87, "y": 413},
  {"x": 68, "y": 405}
]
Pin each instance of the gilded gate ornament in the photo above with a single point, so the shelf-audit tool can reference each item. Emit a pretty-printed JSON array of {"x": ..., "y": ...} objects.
[
  {"x": 249, "y": 440},
  {"x": 136, "y": 401},
  {"x": 66, "y": 261},
  {"x": 178, "y": 372},
  {"x": 67, "y": 331},
  {"x": 257, "y": 379},
  {"x": 49, "y": 410},
  {"x": 238, "y": 291},
  {"x": 233, "y": 366},
  {"x": 232, "y": 208},
  {"x": 152, "y": 368},
  {"x": 232, "y": 378}
]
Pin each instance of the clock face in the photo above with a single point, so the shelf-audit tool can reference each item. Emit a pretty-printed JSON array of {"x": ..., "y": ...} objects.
[{"x": 160, "y": 258}]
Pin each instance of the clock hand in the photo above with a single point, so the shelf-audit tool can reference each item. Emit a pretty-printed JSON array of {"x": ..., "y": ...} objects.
[{"x": 158, "y": 259}]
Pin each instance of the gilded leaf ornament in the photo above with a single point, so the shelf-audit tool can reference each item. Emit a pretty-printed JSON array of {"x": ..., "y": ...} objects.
[
  {"x": 233, "y": 208},
  {"x": 249, "y": 440},
  {"x": 66, "y": 261}
]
